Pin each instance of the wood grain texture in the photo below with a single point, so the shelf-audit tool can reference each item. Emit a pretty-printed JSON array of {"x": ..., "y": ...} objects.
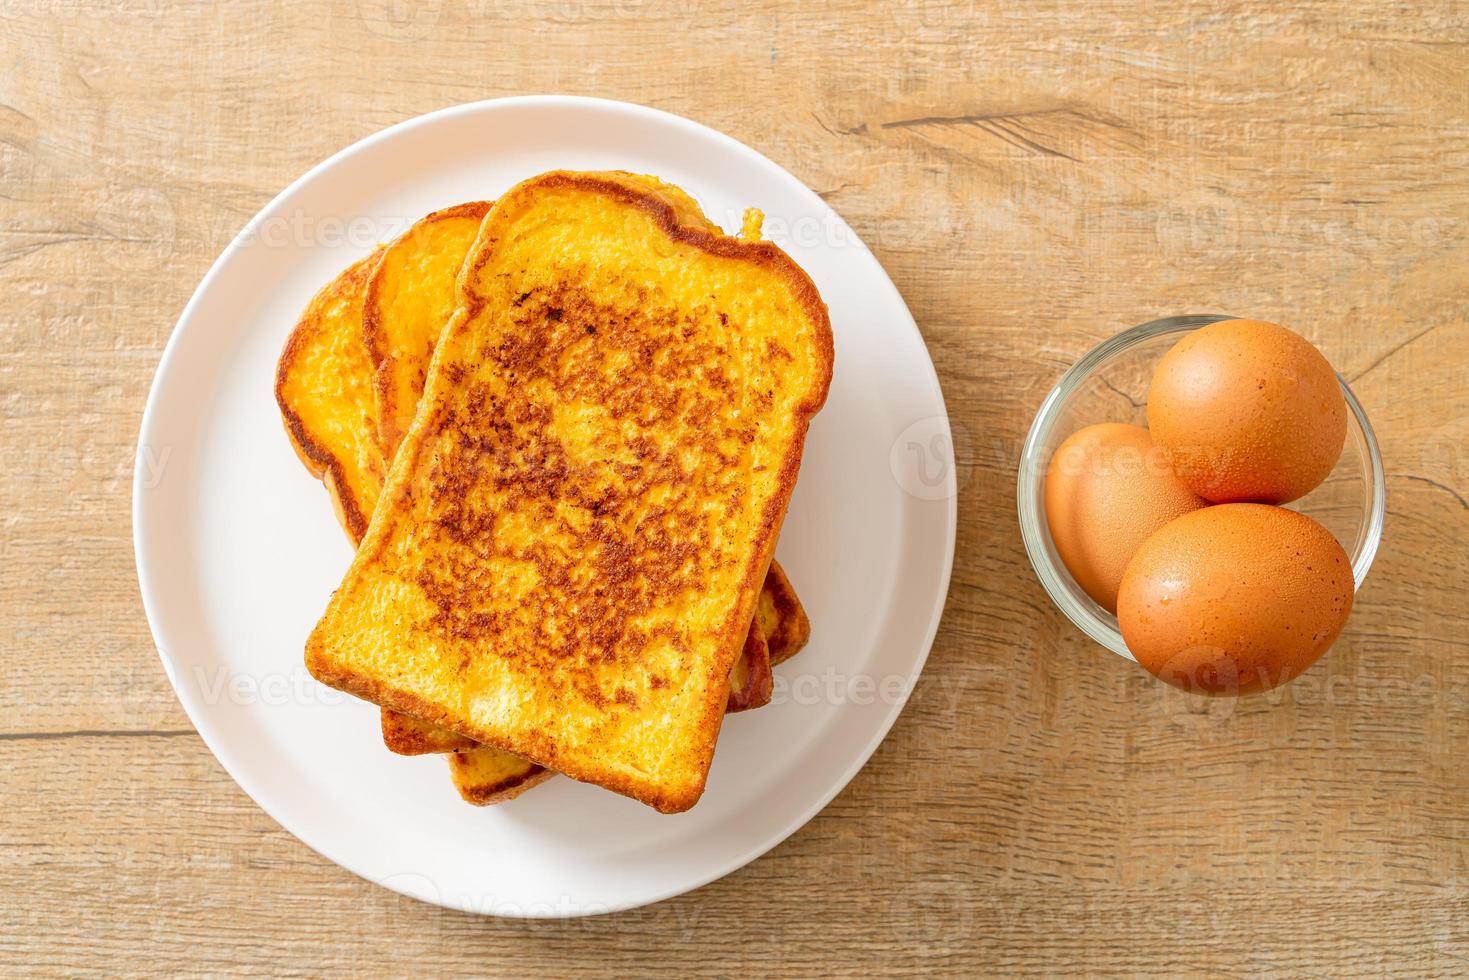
[{"x": 1034, "y": 177}]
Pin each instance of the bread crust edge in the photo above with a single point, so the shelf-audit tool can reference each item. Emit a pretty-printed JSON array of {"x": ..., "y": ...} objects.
[
  {"x": 389, "y": 434},
  {"x": 318, "y": 460}
]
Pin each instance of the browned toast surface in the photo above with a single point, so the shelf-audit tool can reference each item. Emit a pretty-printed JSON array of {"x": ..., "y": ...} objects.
[
  {"x": 610, "y": 433},
  {"x": 408, "y": 298},
  {"x": 781, "y": 616},
  {"x": 325, "y": 392}
]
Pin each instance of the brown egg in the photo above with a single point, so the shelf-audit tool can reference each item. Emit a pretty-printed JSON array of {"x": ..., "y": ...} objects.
[
  {"x": 1235, "y": 599},
  {"x": 1107, "y": 489},
  {"x": 1247, "y": 411}
]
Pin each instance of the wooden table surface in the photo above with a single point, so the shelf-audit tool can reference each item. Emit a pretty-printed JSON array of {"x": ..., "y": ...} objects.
[{"x": 1034, "y": 178}]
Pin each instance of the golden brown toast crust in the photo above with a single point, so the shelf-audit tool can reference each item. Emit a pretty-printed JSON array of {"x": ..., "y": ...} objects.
[
  {"x": 782, "y": 617},
  {"x": 699, "y": 726},
  {"x": 750, "y": 683},
  {"x": 338, "y": 302},
  {"x": 400, "y": 356},
  {"x": 481, "y": 776},
  {"x": 406, "y": 735}
]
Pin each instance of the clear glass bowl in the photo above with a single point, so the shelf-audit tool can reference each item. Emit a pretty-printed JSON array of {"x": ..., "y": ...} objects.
[{"x": 1110, "y": 384}]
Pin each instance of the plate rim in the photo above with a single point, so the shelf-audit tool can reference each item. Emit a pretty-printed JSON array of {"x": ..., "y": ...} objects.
[{"x": 152, "y": 602}]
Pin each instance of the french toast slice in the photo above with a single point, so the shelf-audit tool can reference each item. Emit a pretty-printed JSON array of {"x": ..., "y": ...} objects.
[
  {"x": 408, "y": 299},
  {"x": 325, "y": 393},
  {"x": 323, "y": 387},
  {"x": 571, "y": 540}
]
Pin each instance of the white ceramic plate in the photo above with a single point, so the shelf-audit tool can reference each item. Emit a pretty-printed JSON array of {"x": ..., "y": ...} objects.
[{"x": 238, "y": 550}]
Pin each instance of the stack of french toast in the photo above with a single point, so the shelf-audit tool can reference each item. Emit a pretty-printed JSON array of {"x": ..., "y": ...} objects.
[{"x": 562, "y": 429}]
